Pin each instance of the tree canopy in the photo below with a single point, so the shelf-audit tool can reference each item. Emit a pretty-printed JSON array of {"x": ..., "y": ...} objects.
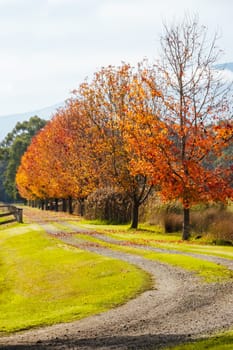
[{"x": 165, "y": 126}]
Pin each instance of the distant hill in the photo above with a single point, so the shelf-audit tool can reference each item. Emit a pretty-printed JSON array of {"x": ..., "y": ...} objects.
[
  {"x": 8, "y": 122},
  {"x": 225, "y": 66}
]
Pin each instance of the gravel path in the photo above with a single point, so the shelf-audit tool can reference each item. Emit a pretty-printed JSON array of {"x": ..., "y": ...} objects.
[
  {"x": 218, "y": 260},
  {"x": 179, "y": 308}
]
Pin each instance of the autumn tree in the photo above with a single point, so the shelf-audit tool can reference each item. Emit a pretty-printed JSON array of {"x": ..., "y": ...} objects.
[
  {"x": 189, "y": 123},
  {"x": 33, "y": 175},
  {"x": 106, "y": 101},
  {"x": 57, "y": 162},
  {"x": 72, "y": 148}
]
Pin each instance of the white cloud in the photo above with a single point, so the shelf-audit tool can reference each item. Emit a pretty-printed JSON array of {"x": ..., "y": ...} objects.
[
  {"x": 226, "y": 75},
  {"x": 47, "y": 47}
]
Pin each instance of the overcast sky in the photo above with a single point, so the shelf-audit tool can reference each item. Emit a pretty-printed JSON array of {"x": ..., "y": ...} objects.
[{"x": 48, "y": 47}]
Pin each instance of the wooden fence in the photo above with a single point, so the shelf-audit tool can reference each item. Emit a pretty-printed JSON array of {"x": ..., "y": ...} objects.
[{"x": 8, "y": 211}]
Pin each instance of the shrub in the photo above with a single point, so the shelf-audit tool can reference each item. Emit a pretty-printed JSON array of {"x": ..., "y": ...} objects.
[
  {"x": 149, "y": 210},
  {"x": 172, "y": 215},
  {"x": 202, "y": 220},
  {"x": 221, "y": 229},
  {"x": 212, "y": 220},
  {"x": 172, "y": 222},
  {"x": 108, "y": 205},
  {"x": 154, "y": 212}
]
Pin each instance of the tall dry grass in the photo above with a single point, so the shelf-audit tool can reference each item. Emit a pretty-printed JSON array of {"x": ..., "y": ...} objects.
[{"x": 214, "y": 221}]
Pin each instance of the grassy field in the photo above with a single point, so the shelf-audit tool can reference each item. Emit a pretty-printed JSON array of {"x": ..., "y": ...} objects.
[{"x": 43, "y": 281}]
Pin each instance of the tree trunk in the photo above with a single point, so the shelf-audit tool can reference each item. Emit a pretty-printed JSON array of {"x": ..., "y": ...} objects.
[
  {"x": 64, "y": 205},
  {"x": 135, "y": 211},
  {"x": 81, "y": 206},
  {"x": 70, "y": 205},
  {"x": 186, "y": 224},
  {"x": 46, "y": 204},
  {"x": 56, "y": 204}
]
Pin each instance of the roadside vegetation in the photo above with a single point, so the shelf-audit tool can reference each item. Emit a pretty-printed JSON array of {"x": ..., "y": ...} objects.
[
  {"x": 155, "y": 236},
  {"x": 44, "y": 281},
  {"x": 208, "y": 271},
  {"x": 172, "y": 242},
  {"x": 209, "y": 223}
]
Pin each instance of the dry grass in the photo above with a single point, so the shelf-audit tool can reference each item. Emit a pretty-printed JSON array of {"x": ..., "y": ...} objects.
[{"x": 213, "y": 222}]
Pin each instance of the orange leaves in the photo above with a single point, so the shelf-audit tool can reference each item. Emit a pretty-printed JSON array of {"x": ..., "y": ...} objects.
[
  {"x": 174, "y": 147},
  {"x": 122, "y": 124},
  {"x": 53, "y": 161},
  {"x": 224, "y": 131}
]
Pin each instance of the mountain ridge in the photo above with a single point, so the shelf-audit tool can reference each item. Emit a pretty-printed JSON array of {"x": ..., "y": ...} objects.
[{"x": 8, "y": 122}]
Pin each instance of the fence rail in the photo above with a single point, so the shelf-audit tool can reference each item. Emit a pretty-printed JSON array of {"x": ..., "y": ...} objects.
[{"x": 8, "y": 210}]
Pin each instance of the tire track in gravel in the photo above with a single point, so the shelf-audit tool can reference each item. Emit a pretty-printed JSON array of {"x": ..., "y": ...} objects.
[{"x": 178, "y": 309}]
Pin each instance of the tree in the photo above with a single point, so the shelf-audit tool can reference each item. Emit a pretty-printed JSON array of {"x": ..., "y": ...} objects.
[
  {"x": 188, "y": 122},
  {"x": 106, "y": 101},
  {"x": 72, "y": 144},
  {"x": 11, "y": 150},
  {"x": 58, "y": 163}
]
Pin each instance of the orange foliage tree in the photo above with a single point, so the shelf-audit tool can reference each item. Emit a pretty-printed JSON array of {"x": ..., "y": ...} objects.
[
  {"x": 188, "y": 122},
  {"x": 57, "y": 163},
  {"x": 106, "y": 100}
]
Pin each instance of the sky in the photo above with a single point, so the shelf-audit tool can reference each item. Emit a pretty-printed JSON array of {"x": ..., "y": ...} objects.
[{"x": 48, "y": 47}]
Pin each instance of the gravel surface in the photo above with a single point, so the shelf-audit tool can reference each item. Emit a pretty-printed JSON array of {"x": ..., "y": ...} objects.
[{"x": 179, "y": 308}]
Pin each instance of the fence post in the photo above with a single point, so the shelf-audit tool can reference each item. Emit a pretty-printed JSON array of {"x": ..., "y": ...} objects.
[{"x": 20, "y": 215}]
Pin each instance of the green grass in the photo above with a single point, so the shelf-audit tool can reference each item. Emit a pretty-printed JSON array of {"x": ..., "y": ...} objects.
[
  {"x": 3, "y": 219},
  {"x": 9, "y": 225},
  {"x": 223, "y": 341},
  {"x": 169, "y": 242},
  {"x": 208, "y": 271},
  {"x": 101, "y": 225},
  {"x": 59, "y": 226},
  {"x": 143, "y": 237},
  {"x": 153, "y": 236},
  {"x": 43, "y": 281}
]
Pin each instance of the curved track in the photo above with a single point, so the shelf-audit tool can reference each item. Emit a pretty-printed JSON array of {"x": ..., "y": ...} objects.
[{"x": 179, "y": 308}]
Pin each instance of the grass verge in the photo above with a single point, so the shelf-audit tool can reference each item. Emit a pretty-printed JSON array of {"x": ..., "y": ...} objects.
[
  {"x": 153, "y": 236},
  {"x": 208, "y": 271},
  {"x": 168, "y": 242},
  {"x": 43, "y": 281}
]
